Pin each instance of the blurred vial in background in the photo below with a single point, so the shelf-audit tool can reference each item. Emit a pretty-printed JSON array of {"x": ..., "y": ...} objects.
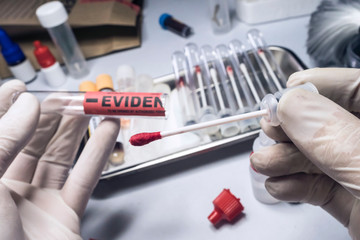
[{"x": 220, "y": 16}]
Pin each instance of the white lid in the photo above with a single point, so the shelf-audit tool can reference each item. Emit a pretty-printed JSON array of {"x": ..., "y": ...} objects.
[
  {"x": 51, "y": 14},
  {"x": 125, "y": 71}
]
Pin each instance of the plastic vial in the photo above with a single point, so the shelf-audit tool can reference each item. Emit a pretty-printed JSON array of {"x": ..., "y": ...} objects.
[
  {"x": 258, "y": 179},
  {"x": 220, "y": 16},
  {"x": 168, "y": 22},
  {"x": 244, "y": 100},
  {"x": 241, "y": 59},
  {"x": 185, "y": 89},
  {"x": 109, "y": 104},
  {"x": 144, "y": 83},
  {"x": 267, "y": 58},
  {"x": 126, "y": 80},
  {"x": 51, "y": 69},
  {"x": 207, "y": 110},
  {"x": 53, "y": 17},
  {"x": 18, "y": 64}
]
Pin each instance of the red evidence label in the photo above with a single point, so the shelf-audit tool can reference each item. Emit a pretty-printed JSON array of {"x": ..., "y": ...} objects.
[{"x": 124, "y": 104}]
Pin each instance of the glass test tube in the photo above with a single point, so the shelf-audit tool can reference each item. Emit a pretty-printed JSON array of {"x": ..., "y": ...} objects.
[
  {"x": 207, "y": 111},
  {"x": 186, "y": 97},
  {"x": 241, "y": 59},
  {"x": 225, "y": 102},
  {"x": 259, "y": 45},
  {"x": 109, "y": 104}
]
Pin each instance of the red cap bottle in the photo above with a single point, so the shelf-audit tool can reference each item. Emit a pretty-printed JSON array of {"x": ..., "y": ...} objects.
[
  {"x": 227, "y": 206},
  {"x": 43, "y": 55},
  {"x": 51, "y": 69}
]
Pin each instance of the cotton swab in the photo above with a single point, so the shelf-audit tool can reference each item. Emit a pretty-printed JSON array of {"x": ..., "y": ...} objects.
[
  {"x": 268, "y": 111},
  {"x": 141, "y": 139},
  {"x": 248, "y": 80},
  {"x": 269, "y": 69},
  {"x": 234, "y": 86},
  {"x": 201, "y": 86}
]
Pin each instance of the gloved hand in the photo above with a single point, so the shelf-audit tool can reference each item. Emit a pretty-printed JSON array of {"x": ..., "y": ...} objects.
[
  {"x": 39, "y": 199},
  {"x": 317, "y": 159}
]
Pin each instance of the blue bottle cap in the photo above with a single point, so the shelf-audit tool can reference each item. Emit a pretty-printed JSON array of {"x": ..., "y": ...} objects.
[
  {"x": 163, "y": 18},
  {"x": 10, "y": 50}
]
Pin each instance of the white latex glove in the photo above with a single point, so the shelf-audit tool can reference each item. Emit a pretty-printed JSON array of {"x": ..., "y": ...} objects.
[
  {"x": 318, "y": 158},
  {"x": 38, "y": 198}
]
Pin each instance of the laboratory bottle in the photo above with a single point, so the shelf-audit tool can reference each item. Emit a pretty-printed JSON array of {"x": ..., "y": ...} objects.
[
  {"x": 53, "y": 17},
  {"x": 51, "y": 69},
  {"x": 18, "y": 64},
  {"x": 258, "y": 179},
  {"x": 220, "y": 16},
  {"x": 168, "y": 22}
]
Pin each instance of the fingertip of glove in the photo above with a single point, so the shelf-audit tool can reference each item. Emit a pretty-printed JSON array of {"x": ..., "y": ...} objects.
[
  {"x": 15, "y": 84},
  {"x": 256, "y": 161},
  {"x": 28, "y": 101},
  {"x": 110, "y": 125},
  {"x": 273, "y": 186}
]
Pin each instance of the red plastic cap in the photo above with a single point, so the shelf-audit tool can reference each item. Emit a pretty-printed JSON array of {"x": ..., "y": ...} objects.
[
  {"x": 43, "y": 55},
  {"x": 227, "y": 207}
]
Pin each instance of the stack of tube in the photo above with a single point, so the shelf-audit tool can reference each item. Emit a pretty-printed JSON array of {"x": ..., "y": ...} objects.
[{"x": 224, "y": 81}]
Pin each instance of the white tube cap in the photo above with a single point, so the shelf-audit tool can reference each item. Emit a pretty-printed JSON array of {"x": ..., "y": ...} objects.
[
  {"x": 51, "y": 14},
  {"x": 125, "y": 71}
]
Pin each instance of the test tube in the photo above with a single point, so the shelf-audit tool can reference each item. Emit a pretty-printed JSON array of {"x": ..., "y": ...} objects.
[
  {"x": 224, "y": 101},
  {"x": 169, "y": 22},
  {"x": 243, "y": 96},
  {"x": 144, "y": 83},
  {"x": 241, "y": 59},
  {"x": 126, "y": 79},
  {"x": 261, "y": 49},
  {"x": 184, "y": 87},
  {"x": 53, "y": 17},
  {"x": 109, "y": 104},
  {"x": 220, "y": 16},
  {"x": 207, "y": 111}
]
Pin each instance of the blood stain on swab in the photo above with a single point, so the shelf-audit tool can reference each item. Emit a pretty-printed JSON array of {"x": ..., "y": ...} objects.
[{"x": 141, "y": 139}]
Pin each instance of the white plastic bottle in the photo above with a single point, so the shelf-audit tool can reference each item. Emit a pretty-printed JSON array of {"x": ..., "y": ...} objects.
[
  {"x": 258, "y": 179},
  {"x": 51, "y": 69}
]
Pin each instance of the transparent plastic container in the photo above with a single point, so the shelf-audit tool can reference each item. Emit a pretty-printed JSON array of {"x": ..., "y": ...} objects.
[
  {"x": 53, "y": 17},
  {"x": 206, "y": 104},
  {"x": 110, "y": 104},
  {"x": 261, "y": 49},
  {"x": 220, "y": 16},
  {"x": 185, "y": 88},
  {"x": 258, "y": 179},
  {"x": 224, "y": 101},
  {"x": 237, "y": 88},
  {"x": 241, "y": 59}
]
